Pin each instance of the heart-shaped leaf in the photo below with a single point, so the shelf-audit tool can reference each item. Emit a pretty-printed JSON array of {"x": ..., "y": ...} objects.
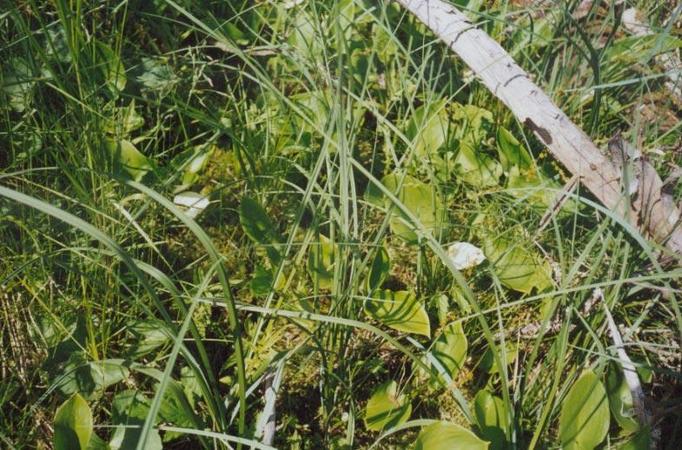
[
  {"x": 584, "y": 419},
  {"x": 386, "y": 409},
  {"x": 492, "y": 419},
  {"x": 399, "y": 310},
  {"x": 72, "y": 424},
  {"x": 448, "y": 436}
]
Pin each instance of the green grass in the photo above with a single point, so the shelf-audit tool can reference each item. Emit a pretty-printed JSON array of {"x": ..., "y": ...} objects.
[{"x": 343, "y": 149}]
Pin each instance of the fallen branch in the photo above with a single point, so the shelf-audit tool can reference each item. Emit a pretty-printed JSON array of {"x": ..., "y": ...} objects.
[{"x": 531, "y": 106}]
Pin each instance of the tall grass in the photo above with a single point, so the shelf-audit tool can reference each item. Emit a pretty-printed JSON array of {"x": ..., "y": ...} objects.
[{"x": 111, "y": 290}]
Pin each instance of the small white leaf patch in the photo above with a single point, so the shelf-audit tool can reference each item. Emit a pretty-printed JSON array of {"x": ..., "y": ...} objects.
[
  {"x": 193, "y": 202},
  {"x": 464, "y": 255}
]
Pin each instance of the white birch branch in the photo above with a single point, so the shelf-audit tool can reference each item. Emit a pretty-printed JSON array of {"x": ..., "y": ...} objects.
[{"x": 531, "y": 106}]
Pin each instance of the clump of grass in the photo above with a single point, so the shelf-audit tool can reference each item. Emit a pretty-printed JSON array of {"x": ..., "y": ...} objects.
[{"x": 342, "y": 149}]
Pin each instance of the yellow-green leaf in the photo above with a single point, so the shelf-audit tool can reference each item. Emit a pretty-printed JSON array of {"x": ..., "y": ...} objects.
[
  {"x": 321, "y": 262},
  {"x": 399, "y": 310},
  {"x": 492, "y": 419},
  {"x": 448, "y": 436},
  {"x": 517, "y": 265},
  {"x": 72, "y": 424},
  {"x": 422, "y": 200},
  {"x": 584, "y": 419},
  {"x": 386, "y": 409},
  {"x": 128, "y": 158},
  {"x": 476, "y": 168},
  {"x": 450, "y": 349}
]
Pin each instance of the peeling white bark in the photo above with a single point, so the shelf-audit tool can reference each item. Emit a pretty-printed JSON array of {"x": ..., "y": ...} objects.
[{"x": 531, "y": 106}]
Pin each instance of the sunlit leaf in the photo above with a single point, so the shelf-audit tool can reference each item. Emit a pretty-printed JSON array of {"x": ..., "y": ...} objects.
[
  {"x": 492, "y": 419},
  {"x": 517, "y": 265},
  {"x": 197, "y": 163},
  {"x": 400, "y": 310},
  {"x": 73, "y": 424},
  {"x": 584, "y": 419},
  {"x": 511, "y": 152},
  {"x": 321, "y": 262},
  {"x": 427, "y": 128},
  {"x": 386, "y": 409},
  {"x": 379, "y": 269},
  {"x": 476, "y": 168},
  {"x": 448, "y": 436},
  {"x": 129, "y": 159},
  {"x": 422, "y": 200},
  {"x": 450, "y": 349}
]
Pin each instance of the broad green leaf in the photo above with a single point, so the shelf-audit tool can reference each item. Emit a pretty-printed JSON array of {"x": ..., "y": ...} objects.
[
  {"x": 427, "y": 128},
  {"x": 422, "y": 200},
  {"x": 90, "y": 378},
  {"x": 261, "y": 281},
  {"x": 384, "y": 44},
  {"x": 450, "y": 349},
  {"x": 305, "y": 37},
  {"x": 17, "y": 83},
  {"x": 129, "y": 412},
  {"x": 511, "y": 152},
  {"x": 177, "y": 410},
  {"x": 474, "y": 123},
  {"x": 128, "y": 158},
  {"x": 584, "y": 419},
  {"x": 386, "y": 409},
  {"x": 638, "y": 49},
  {"x": 517, "y": 265},
  {"x": 258, "y": 226},
  {"x": 378, "y": 271},
  {"x": 448, "y": 436},
  {"x": 492, "y": 419},
  {"x": 321, "y": 262},
  {"x": 156, "y": 75},
  {"x": 111, "y": 70},
  {"x": 476, "y": 168},
  {"x": 149, "y": 335},
  {"x": 124, "y": 121},
  {"x": 72, "y": 424},
  {"x": 620, "y": 400},
  {"x": 399, "y": 310}
]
